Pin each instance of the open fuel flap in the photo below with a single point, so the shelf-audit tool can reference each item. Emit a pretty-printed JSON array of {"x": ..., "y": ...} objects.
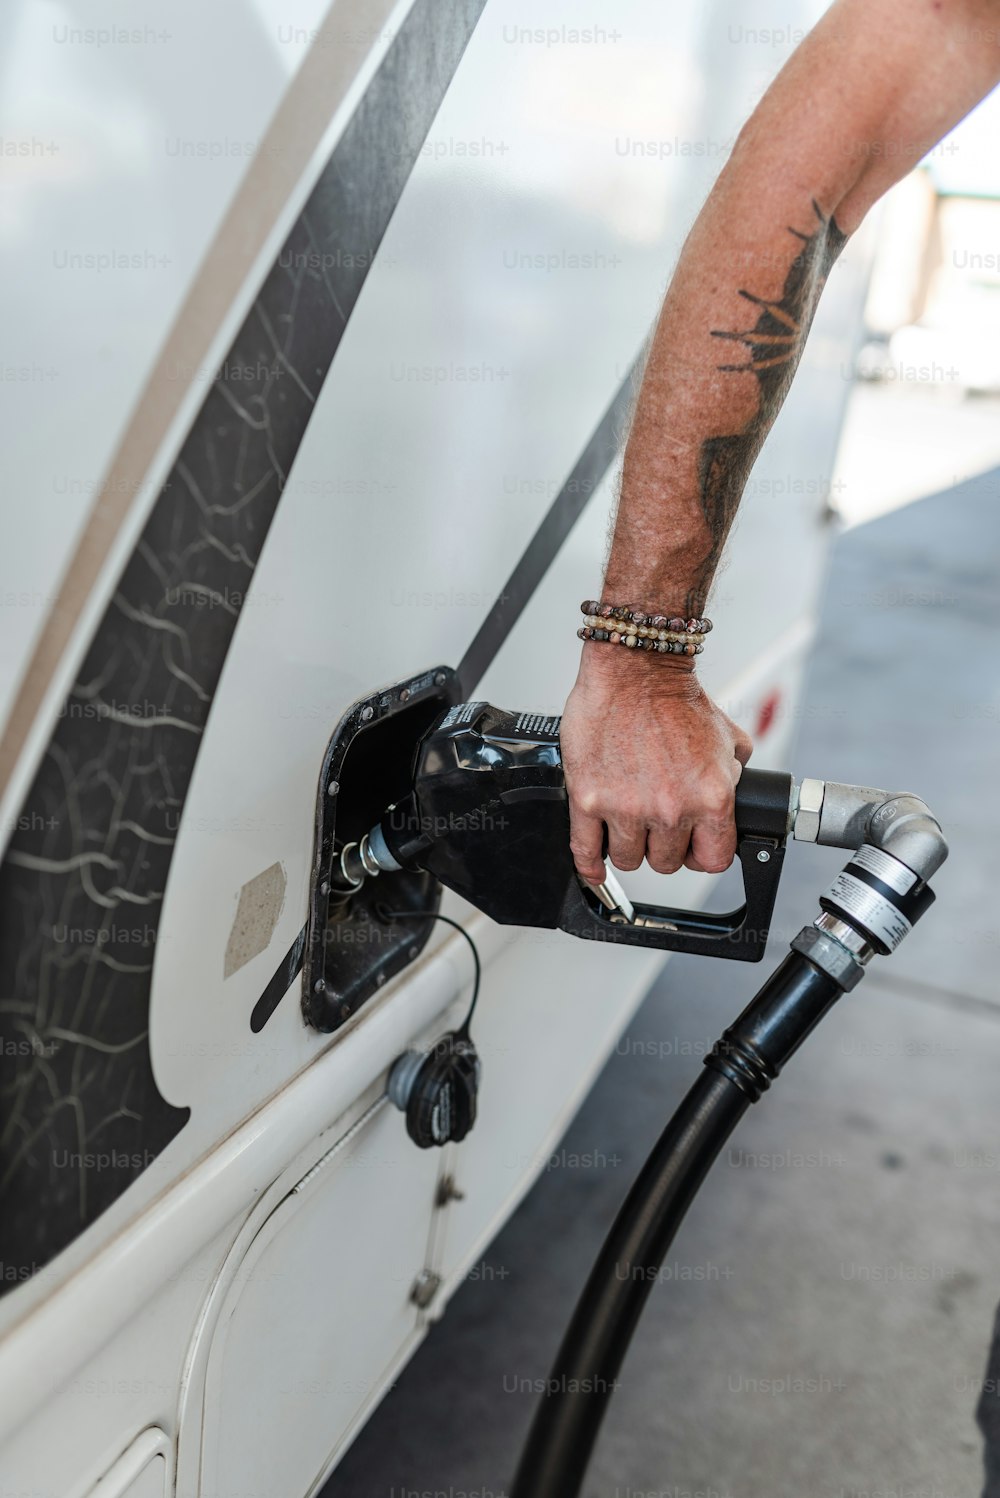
[{"x": 350, "y": 953}]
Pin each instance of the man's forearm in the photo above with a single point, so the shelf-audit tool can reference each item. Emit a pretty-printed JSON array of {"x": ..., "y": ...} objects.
[
  {"x": 872, "y": 88},
  {"x": 728, "y": 342},
  {"x": 651, "y": 762}
]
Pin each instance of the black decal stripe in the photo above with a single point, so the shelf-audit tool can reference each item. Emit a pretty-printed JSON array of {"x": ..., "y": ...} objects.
[
  {"x": 280, "y": 982},
  {"x": 541, "y": 551},
  {"x": 284, "y": 976},
  {"x": 82, "y": 884}
]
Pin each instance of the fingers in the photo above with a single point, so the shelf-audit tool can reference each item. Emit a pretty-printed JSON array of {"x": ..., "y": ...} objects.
[
  {"x": 586, "y": 839},
  {"x": 714, "y": 838},
  {"x": 713, "y": 846},
  {"x": 704, "y": 841},
  {"x": 713, "y": 841},
  {"x": 626, "y": 838},
  {"x": 668, "y": 838},
  {"x": 626, "y": 841},
  {"x": 667, "y": 849}
]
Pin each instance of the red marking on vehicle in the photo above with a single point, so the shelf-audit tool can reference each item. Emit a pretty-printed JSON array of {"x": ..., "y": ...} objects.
[{"x": 767, "y": 713}]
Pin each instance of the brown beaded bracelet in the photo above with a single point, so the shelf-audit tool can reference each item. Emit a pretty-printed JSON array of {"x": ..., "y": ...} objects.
[
  {"x": 626, "y": 613},
  {"x": 622, "y": 624}
]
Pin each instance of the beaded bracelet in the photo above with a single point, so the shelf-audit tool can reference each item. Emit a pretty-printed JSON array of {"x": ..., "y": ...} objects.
[
  {"x": 620, "y": 624},
  {"x": 628, "y": 614},
  {"x": 597, "y": 621},
  {"x": 640, "y": 642}
]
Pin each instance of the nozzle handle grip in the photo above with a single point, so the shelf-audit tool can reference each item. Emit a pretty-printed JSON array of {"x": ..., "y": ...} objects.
[
  {"x": 764, "y": 803},
  {"x": 763, "y": 821}
]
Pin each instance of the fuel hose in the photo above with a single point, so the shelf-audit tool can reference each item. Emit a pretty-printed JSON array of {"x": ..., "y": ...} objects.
[{"x": 740, "y": 1068}]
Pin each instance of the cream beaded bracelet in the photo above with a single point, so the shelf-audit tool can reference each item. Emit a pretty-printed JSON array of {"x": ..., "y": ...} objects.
[{"x": 622, "y": 624}]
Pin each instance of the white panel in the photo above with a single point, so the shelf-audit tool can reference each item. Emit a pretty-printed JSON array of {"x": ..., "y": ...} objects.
[{"x": 317, "y": 1313}]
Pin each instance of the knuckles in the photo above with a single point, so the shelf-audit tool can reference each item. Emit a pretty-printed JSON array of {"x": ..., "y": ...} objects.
[
  {"x": 624, "y": 860},
  {"x": 717, "y": 799},
  {"x": 587, "y": 802}
]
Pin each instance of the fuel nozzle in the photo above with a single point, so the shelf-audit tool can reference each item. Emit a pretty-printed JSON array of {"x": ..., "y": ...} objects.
[
  {"x": 362, "y": 860},
  {"x": 486, "y": 814}
]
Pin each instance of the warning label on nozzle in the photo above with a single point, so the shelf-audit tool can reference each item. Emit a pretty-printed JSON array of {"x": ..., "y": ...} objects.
[
  {"x": 870, "y": 909},
  {"x": 462, "y": 712},
  {"x": 891, "y": 872},
  {"x": 537, "y": 725}
]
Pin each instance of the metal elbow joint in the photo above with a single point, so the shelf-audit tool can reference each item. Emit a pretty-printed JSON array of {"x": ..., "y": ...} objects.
[
  {"x": 904, "y": 826},
  {"x": 845, "y": 816}
]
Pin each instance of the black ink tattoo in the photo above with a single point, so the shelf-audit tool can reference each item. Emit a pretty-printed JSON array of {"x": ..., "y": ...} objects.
[{"x": 774, "y": 345}]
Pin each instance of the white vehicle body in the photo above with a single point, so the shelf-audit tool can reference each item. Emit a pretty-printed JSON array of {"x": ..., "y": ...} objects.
[{"x": 468, "y": 214}]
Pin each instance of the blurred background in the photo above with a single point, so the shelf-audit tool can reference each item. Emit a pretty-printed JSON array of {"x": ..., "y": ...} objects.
[{"x": 923, "y": 413}]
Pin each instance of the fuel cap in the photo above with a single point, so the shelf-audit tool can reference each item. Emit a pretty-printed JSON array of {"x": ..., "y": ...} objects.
[{"x": 437, "y": 1090}]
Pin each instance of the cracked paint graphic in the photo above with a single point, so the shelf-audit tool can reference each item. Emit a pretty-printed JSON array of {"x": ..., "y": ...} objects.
[{"x": 81, "y": 886}]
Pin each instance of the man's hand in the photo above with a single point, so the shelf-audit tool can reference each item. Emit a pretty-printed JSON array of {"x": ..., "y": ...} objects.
[{"x": 647, "y": 752}]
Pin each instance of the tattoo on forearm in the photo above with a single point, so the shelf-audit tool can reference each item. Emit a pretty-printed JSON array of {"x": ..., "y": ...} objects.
[{"x": 774, "y": 345}]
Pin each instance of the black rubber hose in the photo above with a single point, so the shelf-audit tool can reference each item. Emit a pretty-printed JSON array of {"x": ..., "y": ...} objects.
[{"x": 741, "y": 1067}]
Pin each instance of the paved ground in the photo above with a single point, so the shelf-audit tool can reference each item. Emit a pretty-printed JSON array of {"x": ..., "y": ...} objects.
[{"x": 825, "y": 1315}]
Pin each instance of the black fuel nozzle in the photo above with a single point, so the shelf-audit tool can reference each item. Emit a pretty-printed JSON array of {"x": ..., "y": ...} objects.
[{"x": 488, "y": 816}]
